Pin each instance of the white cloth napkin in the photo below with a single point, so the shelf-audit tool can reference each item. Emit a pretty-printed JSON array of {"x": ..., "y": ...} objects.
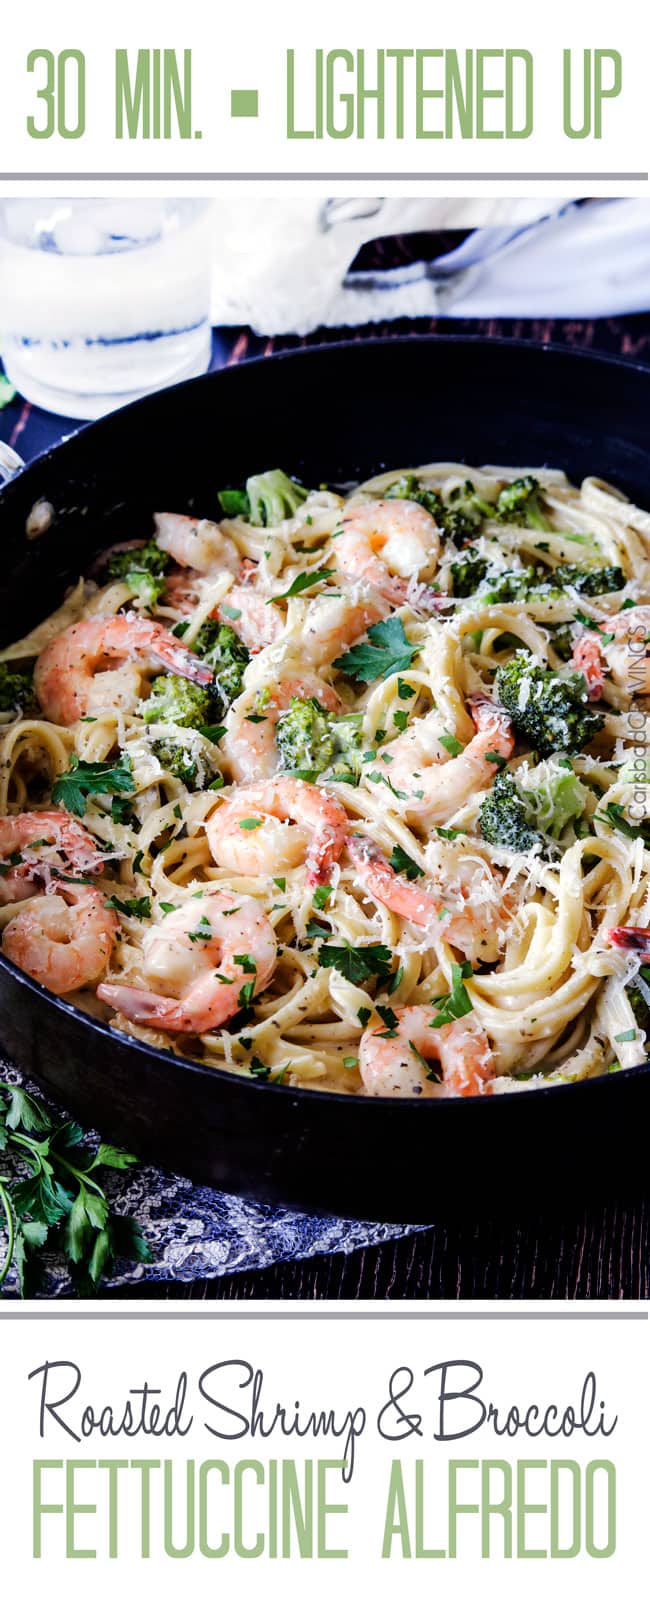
[{"x": 283, "y": 266}]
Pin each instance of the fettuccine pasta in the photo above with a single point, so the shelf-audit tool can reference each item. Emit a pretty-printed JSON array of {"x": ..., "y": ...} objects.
[{"x": 347, "y": 790}]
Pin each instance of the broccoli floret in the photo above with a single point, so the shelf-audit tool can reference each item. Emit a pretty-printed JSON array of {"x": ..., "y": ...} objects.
[
  {"x": 562, "y": 640},
  {"x": 193, "y": 767},
  {"x": 503, "y": 820},
  {"x": 273, "y": 497},
  {"x": 553, "y": 796},
  {"x": 178, "y": 700},
  {"x": 460, "y": 518},
  {"x": 267, "y": 500},
  {"x": 589, "y": 580},
  {"x": 539, "y": 582},
  {"x": 549, "y": 711},
  {"x": 468, "y": 574},
  {"x": 506, "y": 587},
  {"x": 303, "y": 737},
  {"x": 228, "y": 657},
  {"x": 16, "y": 691},
  {"x": 519, "y": 504},
  {"x": 143, "y": 570},
  {"x": 408, "y": 487},
  {"x": 309, "y": 740},
  {"x": 347, "y": 762},
  {"x": 522, "y": 815}
]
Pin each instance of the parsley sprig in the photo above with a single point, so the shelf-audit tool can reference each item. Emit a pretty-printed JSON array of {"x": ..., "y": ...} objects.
[
  {"x": 303, "y": 581},
  {"x": 387, "y": 651},
  {"x": 50, "y": 1195},
  {"x": 357, "y": 964},
  {"x": 85, "y": 777}
]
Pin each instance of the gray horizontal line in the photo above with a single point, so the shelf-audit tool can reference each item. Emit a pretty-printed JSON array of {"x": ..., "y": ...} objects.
[
  {"x": 327, "y": 1315},
  {"x": 323, "y": 177}
]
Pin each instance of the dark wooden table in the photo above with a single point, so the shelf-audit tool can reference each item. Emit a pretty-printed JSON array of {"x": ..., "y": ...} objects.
[{"x": 600, "y": 1250}]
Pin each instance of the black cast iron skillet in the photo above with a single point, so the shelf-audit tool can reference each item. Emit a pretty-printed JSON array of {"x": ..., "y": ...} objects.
[{"x": 336, "y": 413}]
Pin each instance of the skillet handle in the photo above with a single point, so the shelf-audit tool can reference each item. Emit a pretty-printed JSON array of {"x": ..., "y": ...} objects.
[{"x": 10, "y": 463}]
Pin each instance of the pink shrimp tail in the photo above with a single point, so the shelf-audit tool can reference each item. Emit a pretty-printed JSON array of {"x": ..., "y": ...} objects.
[
  {"x": 636, "y": 939},
  {"x": 323, "y": 853},
  {"x": 143, "y": 1007},
  {"x": 484, "y": 710},
  {"x": 588, "y": 657}
]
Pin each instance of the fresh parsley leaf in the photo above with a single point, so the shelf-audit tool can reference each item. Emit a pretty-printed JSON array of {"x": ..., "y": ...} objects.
[
  {"x": 246, "y": 992},
  {"x": 357, "y": 964},
  {"x": 281, "y": 883},
  {"x": 451, "y": 744},
  {"x": 246, "y": 962},
  {"x": 83, "y": 778},
  {"x": 456, "y": 1004},
  {"x": 250, "y": 823},
  {"x": 388, "y": 1017},
  {"x": 402, "y": 862},
  {"x": 303, "y": 581},
  {"x": 430, "y": 1067},
  {"x": 321, "y": 896},
  {"x": 614, "y": 816},
  {"x": 139, "y": 908},
  {"x": 59, "y": 1204},
  {"x": 404, "y": 689},
  {"x": 625, "y": 1037},
  {"x": 387, "y": 651},
  {"x": 400, "y": 720},
  {"x": 259, "y": 1069}
]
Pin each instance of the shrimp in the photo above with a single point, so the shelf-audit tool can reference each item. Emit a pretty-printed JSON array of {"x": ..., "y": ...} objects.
[
  {"x": 333, "y": 621},
  {"x": 64, "y": 939},
  {"x": 431, "y": 788},
  {"x": 37, "y": 831},
  {"x": 388, "y": 544},
  {"x": 249, "y": 613},
  {"x": 72, "y": 677},
  {"x": 251, "y": 832},
  {"x": 636, "y": 940},
  {"x": 473, "y": 931},
  {"x": 624, "y": 655},
  {"x": 207, "y": 958},
  {"x": 249, "y": 745},
  {"x": 191, "y": 542},
  {"x": 244, "y": 608},
  {"x": 394, "y": 1060}
]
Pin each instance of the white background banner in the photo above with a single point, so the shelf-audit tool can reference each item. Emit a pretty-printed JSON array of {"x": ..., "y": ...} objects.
[
  {"x": 304, "y": 1444},
  {"x": 309, "y": 119}
]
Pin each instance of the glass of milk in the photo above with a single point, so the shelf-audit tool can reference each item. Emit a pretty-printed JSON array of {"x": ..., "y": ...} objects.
[{"x": 102, "y": 301}]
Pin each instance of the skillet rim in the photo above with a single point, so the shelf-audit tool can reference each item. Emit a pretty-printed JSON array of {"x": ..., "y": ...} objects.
[{"x": 197, "y": 1067}]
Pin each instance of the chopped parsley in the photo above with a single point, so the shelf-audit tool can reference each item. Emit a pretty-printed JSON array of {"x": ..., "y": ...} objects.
[
  {"x": 451, "y": 744},
  {"x": 300, "y": 583},
  {"x": 457, "y": 1003},
  {"x": 140, "y": 908},
  {"x": 387, "y": 651},
  {"x": 83, "y": 778},
  {"x": 357, "y": 964},
  {"x": 402, "y": 862}
]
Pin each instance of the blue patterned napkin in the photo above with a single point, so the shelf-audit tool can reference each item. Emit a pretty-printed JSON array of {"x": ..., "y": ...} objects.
[{"x": 197, "y": 1232}]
